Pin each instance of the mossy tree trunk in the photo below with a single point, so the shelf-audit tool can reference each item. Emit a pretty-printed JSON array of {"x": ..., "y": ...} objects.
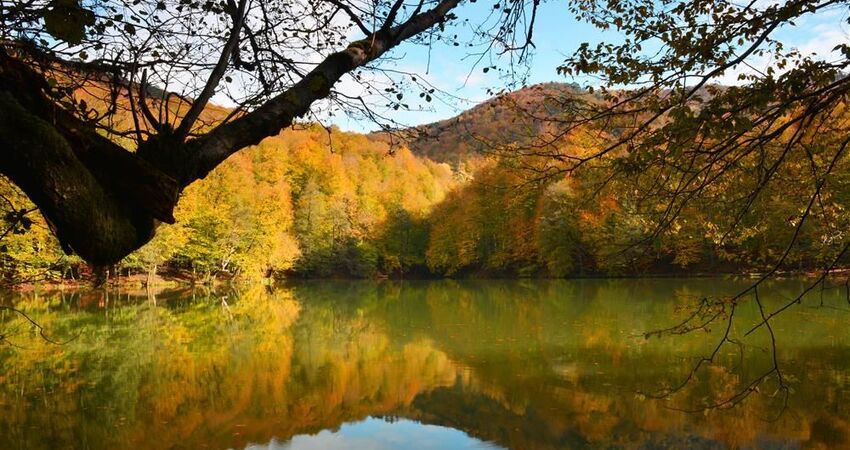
[{"x": 101, "y": 201}]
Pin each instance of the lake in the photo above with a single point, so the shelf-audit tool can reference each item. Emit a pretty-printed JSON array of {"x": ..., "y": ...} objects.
[{"x": 419, "y": 365}]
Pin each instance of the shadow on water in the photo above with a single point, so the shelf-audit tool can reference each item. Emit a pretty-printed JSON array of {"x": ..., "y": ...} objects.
[{"x": 437, "y": 364}]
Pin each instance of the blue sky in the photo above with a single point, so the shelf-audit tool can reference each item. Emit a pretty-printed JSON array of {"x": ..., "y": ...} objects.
[
  {"x": 556, "y": 35},
  {"x": 378, "y": 434}
]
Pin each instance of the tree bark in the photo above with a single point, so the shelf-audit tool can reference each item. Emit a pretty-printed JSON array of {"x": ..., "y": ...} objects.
[{"x": 101, "y": 201}]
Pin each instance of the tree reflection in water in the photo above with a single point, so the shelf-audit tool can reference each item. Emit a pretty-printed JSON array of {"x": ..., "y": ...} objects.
[{"x": 521, "y": 365}]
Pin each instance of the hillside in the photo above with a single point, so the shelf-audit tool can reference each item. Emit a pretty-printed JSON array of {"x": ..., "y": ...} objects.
[{"x": 514, "y": 117}]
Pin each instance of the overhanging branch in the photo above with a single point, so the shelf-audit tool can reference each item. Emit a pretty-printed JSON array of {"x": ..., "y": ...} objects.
[{"x": 194, "y": 160}]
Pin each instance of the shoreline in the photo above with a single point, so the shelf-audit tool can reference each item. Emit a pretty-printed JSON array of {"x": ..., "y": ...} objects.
[{"x": 178, "y": 281}]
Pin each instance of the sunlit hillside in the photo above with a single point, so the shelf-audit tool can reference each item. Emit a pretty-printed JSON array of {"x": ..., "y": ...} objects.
[{"x": 519, "y": 116}]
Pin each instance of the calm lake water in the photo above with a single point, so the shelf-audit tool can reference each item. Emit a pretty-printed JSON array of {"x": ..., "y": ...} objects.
[{"x": 417, "y": 365}]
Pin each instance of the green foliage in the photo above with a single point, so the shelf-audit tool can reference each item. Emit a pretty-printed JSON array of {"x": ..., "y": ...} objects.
[
  {"x": 487, "y": 226},
  {"x": 562, "y": 249},
  {"x": 403, "y": 242}
]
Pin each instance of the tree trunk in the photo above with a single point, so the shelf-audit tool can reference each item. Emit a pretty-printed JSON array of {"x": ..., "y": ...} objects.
[
  {"x": 101, "y": 201},
  {"x": 151, "y": 275}
]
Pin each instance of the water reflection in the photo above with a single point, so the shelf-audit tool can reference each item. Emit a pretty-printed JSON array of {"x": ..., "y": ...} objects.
[
  {"x": 522, "y": 365},
  {"x": 378, "y": 434}
]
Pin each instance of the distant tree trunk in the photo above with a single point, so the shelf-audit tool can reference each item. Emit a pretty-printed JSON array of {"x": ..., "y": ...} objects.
[{"x": 151, "y": 275}]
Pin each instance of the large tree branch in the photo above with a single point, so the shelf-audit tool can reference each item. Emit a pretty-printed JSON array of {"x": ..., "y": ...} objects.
[
  {"x": 198, "y": 157},
  {"x": 101, "y": 200}
]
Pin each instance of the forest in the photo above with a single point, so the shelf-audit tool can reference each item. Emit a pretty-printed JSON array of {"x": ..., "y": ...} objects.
[
  {"x": 680, "y": 159},
  {"x": 317, "y": 202}
]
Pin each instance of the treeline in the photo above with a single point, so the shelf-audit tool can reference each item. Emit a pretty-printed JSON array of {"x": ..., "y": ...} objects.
[
  {"x": 314, "y": 203},
  {"x": 502, "y": 224},
  {"x": 307, "y": 203}
]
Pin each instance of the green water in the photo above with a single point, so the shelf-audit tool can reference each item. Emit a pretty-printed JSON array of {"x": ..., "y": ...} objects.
[{"x": 417, "y": 365}]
